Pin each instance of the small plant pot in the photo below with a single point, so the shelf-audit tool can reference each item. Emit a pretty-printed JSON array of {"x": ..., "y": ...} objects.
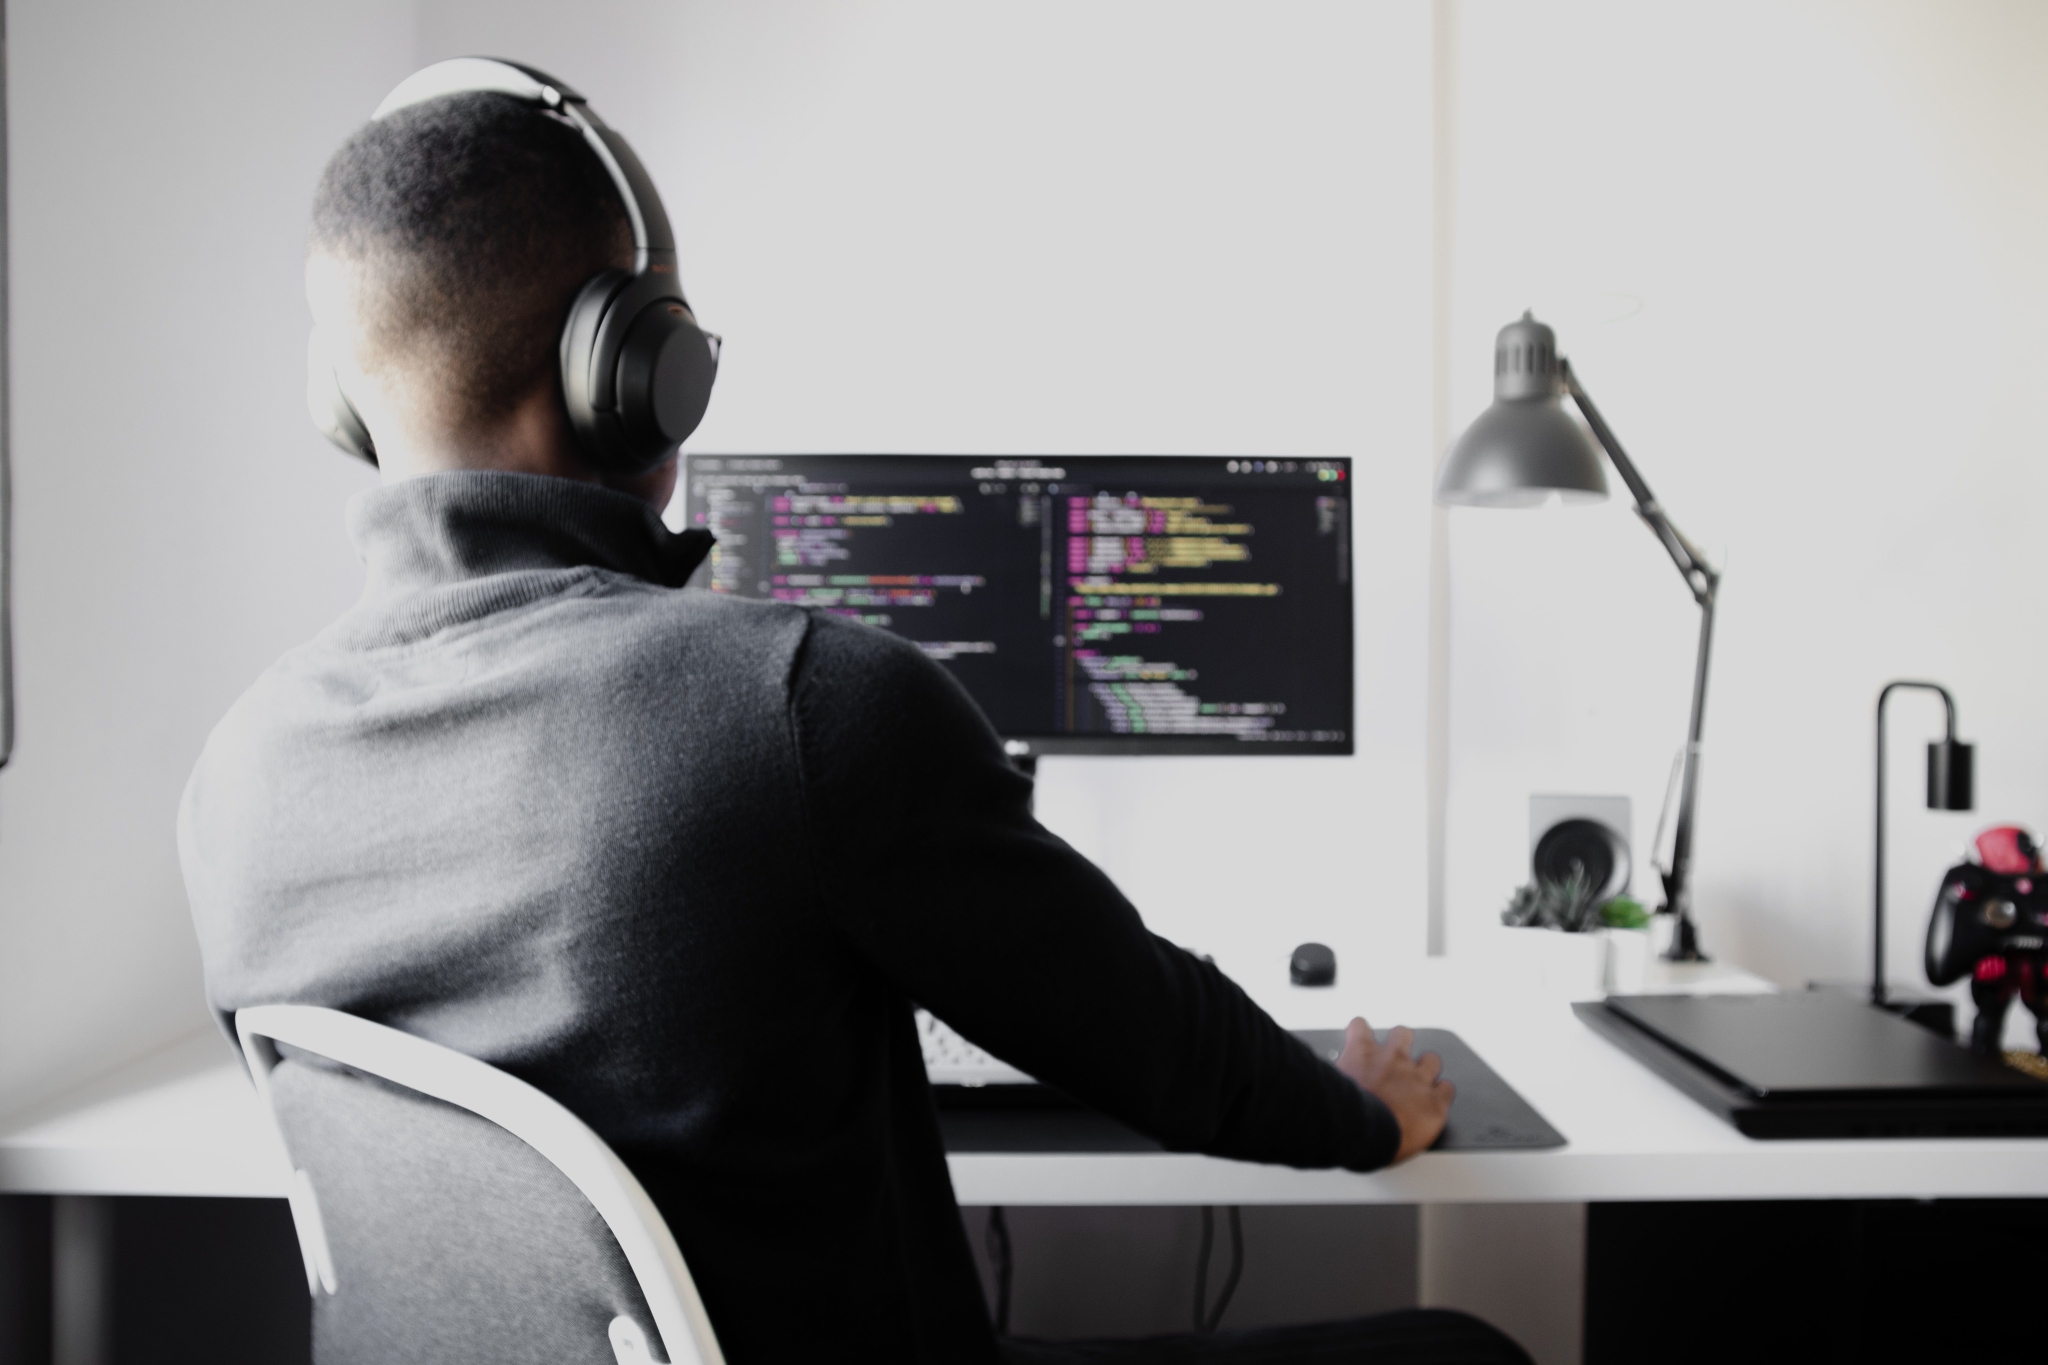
[
  {"x": 1627, "y": 961},
  {"x": 1573, "y": 966}
]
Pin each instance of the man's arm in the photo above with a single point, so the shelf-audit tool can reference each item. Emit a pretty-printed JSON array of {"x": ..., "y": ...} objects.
[{"x": 933, "y": 867}]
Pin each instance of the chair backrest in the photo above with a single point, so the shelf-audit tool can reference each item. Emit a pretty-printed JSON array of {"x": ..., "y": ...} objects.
[{"x": 449, "y": 1212}]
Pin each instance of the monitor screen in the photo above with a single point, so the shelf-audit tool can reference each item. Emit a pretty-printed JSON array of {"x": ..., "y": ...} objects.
[{"x": 1089, "y": 604}]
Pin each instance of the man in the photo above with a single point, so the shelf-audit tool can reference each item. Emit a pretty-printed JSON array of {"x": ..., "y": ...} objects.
[{"x": 683, "y": 861}]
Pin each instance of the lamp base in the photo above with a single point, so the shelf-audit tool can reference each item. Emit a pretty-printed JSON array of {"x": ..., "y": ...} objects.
[{"x": 1685, "y": 943}]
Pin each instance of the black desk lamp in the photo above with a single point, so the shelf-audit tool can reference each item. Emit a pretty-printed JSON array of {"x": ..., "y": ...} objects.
[
  {"x": 1525, "y": 448},
  {"x": 1951, "y": 768}
]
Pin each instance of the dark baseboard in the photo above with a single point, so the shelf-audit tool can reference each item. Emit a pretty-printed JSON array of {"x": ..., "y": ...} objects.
[
  {"x": 25, "y": 1279},
  {"x": 198, "y": 1281},
  {"x": 1820, "y": 1281}
]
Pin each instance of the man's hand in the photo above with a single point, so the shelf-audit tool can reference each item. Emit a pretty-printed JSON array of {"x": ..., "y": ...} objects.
[{"x": 1413, "y": 1087}]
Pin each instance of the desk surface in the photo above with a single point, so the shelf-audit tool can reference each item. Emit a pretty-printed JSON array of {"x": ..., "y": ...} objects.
[{"x": 186, "y": 1122}]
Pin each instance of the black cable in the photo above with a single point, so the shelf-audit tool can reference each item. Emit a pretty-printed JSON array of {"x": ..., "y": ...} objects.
[
  {"x": 996, "y": 1238},
  {"x": 1236, "y": 1268},
  {"x": 1206, "y": 1321}
]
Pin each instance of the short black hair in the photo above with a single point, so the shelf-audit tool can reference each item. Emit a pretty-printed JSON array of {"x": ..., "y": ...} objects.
[{"x": 474, "y": 219}]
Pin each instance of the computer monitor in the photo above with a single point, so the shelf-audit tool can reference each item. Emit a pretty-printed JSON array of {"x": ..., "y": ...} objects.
[{"x": 1089, "y": 604}]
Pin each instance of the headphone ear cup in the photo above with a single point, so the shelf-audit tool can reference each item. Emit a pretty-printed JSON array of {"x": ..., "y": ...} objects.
[
  {"x": 636, "y": 370},
  {"x": 666, "y": 369},
  {"x": 591, "y": 412},
  {"x": 329, "y": 407}
]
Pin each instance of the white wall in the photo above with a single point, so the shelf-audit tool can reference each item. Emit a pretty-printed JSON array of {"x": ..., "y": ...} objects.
[
  {"x": 177, "y": 521},
  {"x": 1141, "y": 227},
  {"x": 1076, "y": 228},
  {"x": 1823, "y": 222},
  {"x": 1153, "y": 227}
]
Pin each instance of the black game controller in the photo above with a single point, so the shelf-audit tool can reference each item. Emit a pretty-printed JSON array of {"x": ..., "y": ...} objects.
[{"x": 1990, "y": 923}]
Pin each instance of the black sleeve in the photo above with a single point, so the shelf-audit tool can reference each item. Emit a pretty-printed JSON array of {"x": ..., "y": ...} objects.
[{"x": 929, "y": 861}]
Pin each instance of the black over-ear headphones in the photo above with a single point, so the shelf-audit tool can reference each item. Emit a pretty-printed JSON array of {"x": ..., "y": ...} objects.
[{"x": 636, "y": 369}]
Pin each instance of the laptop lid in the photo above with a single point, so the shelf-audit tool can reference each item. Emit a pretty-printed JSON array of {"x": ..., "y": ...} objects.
[{"x": 1809, "y": 1045}]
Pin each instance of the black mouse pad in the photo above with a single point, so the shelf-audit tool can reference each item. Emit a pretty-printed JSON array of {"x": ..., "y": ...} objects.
[{"x": 1487, "y": 1116}]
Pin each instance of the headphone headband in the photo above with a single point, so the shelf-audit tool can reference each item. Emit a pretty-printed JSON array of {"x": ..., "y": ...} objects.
[
  {"x": 654, "y": 243},
  {"x": 636, "y": 369}
]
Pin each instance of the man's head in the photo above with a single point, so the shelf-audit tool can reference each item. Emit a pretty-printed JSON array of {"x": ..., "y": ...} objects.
[{"x": 449, "y": 239}]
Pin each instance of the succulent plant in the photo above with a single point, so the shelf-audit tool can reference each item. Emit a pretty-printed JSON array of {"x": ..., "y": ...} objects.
[
  {"x": 1571, "y": 905},
  {"x": 1624, "y": 912}
]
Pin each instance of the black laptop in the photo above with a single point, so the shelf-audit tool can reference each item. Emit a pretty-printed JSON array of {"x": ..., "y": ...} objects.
[{"x": 1815, "y": 1064}]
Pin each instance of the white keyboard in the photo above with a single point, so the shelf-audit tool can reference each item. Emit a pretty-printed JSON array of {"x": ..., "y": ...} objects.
[{"x": 950, "y": 1059}]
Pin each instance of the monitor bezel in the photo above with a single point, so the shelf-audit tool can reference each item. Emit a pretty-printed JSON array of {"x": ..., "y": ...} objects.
[{"x": 1170, "y": 746}]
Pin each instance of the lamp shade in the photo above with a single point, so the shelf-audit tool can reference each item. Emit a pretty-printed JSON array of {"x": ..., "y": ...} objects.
[
  {"x": 1951, "y": 775},
  {"x": 1526, "y": 446}
]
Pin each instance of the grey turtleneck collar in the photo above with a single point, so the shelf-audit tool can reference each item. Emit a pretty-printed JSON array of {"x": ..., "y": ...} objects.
[{"x": 447, "y": 548}]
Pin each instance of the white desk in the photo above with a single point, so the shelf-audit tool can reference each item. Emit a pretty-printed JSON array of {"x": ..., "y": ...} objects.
[{"x": 185, "y": 1122}]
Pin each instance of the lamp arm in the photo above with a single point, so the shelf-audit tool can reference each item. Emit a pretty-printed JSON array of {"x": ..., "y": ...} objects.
[
  {"x": 1678, "y": 880},
  {"x": 1704, "y": 581},
  {"x": 1700, "y": 576}
]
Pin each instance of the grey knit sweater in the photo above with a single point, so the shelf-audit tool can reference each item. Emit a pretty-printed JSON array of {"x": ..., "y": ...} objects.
[{"x": 684, "y": 862}]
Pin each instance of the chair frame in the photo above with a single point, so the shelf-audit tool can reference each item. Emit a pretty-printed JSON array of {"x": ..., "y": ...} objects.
[{"x": 529, "y": 1115}]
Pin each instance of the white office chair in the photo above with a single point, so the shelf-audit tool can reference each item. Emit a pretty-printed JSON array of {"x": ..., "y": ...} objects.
[{"x": 449, "y": 1212}]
